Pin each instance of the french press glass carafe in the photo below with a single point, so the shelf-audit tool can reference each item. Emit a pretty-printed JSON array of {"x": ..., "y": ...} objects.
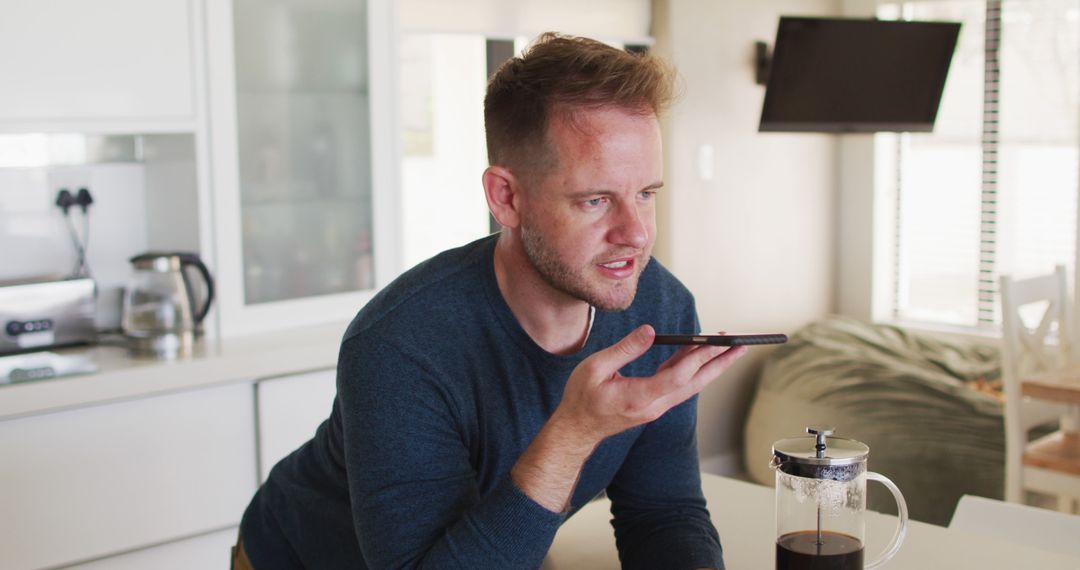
[{"x": 821, "y": 502}]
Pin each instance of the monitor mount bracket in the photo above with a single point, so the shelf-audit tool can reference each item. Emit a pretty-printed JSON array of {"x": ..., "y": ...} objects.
[{"x": 762, "y": 63}]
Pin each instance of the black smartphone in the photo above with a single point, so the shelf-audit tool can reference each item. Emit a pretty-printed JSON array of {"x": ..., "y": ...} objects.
[{"x": 720, "y": 339}]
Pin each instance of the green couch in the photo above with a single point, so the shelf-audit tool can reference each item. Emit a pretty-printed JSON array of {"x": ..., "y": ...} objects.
[{"x": 926, "y": 404}]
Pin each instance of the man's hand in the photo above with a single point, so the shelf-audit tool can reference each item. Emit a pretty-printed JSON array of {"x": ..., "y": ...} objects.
[{"x": 598, "y": 402}]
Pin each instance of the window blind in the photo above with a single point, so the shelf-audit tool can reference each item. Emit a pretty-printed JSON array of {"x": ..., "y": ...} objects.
[
  {"x": 993, "y": 190},
  {"x": 988, "y": 235}
]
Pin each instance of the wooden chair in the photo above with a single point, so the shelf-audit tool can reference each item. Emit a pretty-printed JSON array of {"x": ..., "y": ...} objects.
[
  {"x": 1051, "y": 464},
  {"x": 1021, "y": 524}
]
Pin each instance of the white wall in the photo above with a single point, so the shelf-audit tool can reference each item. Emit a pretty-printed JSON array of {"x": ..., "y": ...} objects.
[
  {"x": 140, "y": 203},
  {"x": 756, "y": 243},
  {"x": 442, "y": 201},
  {"x": 865, "y": 223}
]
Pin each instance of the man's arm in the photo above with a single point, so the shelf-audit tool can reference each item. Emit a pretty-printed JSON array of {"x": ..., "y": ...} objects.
[
  {"x": 658, "y": 509},
  {"x": 598, "y": 402},
  {"x": 413, "y": 491},
  {"x": 414, "y": 494}
]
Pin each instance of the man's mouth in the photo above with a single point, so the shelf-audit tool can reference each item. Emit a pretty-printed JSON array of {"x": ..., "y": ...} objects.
[{"x": 618, "y": 269}]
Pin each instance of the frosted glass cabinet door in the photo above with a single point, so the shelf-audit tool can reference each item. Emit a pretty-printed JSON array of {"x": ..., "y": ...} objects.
[
  {"x": 303, "y": 144},
  {"x": 303, "y": 138}
]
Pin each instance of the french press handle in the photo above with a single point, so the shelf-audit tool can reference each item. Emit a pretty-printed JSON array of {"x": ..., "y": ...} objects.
[{"x": 901, "y": 526}]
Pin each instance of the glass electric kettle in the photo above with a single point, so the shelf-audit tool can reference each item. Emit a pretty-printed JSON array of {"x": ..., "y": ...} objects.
[{"x": 159, "y": 317}]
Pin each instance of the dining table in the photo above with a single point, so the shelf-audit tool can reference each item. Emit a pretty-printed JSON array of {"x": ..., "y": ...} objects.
[
  {"x": 744, "y": 515},
  {"x": 1060, "y": 450}
]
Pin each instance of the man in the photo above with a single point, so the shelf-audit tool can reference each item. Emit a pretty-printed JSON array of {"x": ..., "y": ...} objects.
[{"x": 491, "y": 391}]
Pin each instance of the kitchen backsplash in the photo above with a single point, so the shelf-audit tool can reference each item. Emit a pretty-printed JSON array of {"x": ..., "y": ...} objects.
[{"x": 144, "y": 198}]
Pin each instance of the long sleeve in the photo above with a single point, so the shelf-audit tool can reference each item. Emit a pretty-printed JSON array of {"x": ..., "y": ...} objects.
[
  {"x": 413, "y": 490},
  {"x": 658, "y": 509}
]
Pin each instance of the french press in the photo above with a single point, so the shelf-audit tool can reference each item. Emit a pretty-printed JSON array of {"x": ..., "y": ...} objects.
[{"x": 821, "y": 502}]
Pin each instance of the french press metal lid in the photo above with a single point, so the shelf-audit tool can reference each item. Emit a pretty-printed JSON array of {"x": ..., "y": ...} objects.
[{"x": 820, "y": 456}]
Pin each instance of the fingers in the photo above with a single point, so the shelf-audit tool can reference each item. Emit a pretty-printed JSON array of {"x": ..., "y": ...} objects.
[
  {"x": 686, "y": 364},
  {"x": 628, "y": 349},
  {"x": 713, "y": 368},
  {"x": 692, "y": 372},
  {"x": 677, "y": 356},
  {"x": 680, "y": 354}
]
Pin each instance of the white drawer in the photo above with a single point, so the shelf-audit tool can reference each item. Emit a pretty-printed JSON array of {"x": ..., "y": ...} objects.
[
  {"x": 291, "y": 408},
  {"x": 94, "y": 481},
  {"x": 207, "y": 551}
]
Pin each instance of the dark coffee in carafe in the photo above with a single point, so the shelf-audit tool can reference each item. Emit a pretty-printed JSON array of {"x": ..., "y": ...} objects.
[{"x": 801, "y": 551}]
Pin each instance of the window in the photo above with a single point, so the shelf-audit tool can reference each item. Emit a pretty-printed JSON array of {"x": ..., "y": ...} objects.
[
  {"x": 993, "y": 190},
  {"x": 443, "y": 79},
  {"x": 446, "y": 51}
]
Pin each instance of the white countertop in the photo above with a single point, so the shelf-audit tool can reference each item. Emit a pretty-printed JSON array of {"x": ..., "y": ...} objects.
[
  {"x": 121, "y": 376},
  {"x": 744, "y": 515}
]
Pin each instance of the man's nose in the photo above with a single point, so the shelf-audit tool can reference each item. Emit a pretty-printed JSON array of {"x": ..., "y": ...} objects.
[{"x": 630, "y": 227}]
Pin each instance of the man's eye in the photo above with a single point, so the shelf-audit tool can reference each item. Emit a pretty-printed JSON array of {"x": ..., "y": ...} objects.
[
  {"x": 647, "y": 194},
  {"x": 594, "y": 202}
]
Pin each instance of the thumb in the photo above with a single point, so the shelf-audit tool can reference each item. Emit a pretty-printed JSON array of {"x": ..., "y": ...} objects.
[{"x": 628, "y": 349}]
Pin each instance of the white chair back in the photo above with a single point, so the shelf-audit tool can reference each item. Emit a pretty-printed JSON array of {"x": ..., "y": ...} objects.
[{"x": 1026, "y": 352}]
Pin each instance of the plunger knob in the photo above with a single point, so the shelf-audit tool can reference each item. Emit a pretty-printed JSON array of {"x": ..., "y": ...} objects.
[{"x": 820, "y": 433}]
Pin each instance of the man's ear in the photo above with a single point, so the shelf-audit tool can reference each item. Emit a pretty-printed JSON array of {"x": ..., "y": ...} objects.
[{"x": 502, "y": 190}]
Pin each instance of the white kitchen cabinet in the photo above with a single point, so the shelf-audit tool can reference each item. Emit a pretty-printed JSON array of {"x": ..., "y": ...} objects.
[
  {"x": 304, "y": 159},
  {"x": 290, "y": 409},
  {"x": 75, "y": 65},
  {"x": 100, "y": 480},
  {"x": 210, "y": 551}
]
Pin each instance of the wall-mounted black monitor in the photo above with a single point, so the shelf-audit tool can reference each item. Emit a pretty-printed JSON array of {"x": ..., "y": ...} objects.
[{"x": 857, "y": 75}]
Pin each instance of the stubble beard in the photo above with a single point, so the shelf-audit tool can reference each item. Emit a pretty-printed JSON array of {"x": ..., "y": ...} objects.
[{"x": 562, "y": 277}]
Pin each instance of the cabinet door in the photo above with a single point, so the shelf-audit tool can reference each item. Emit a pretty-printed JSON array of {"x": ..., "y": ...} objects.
[
  {"x": 64, "y": 60},
  {"x": 205, "y": 551},
  {"x": 94, "y": 481},
  {"x": 304, "y": 158},
  {"x": 291, "y": 408}
]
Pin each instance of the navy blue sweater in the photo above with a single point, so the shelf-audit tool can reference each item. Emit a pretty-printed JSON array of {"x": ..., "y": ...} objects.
[{"x": 440, "y": 390}]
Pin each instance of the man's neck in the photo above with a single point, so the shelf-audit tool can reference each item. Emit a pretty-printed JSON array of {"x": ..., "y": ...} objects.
[{"x": 554, "y": 320}]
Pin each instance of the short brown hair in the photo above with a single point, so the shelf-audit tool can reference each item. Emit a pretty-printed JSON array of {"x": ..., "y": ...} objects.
[{"x": 560, "y": 73}]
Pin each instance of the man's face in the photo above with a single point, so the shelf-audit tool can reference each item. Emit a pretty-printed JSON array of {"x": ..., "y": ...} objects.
[{"x": 588, "y": 225}]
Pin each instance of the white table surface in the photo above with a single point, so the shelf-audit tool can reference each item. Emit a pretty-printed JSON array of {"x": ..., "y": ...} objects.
[{"x": 744, "y": 516}]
